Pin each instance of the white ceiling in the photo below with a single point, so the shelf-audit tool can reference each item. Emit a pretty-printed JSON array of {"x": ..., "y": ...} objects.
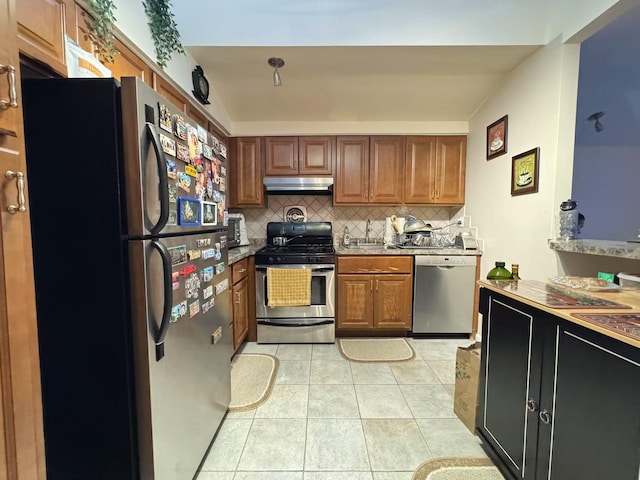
[{"x": 357, "y": 83}]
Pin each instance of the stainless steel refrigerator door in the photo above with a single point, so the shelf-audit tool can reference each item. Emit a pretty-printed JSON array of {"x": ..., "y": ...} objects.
[
  {"x": 166, "y": 195},
  {"x": 182, "y": 348}
]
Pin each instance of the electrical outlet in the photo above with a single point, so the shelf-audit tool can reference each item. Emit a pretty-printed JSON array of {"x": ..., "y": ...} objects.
[{"x": 466, "y": 221}]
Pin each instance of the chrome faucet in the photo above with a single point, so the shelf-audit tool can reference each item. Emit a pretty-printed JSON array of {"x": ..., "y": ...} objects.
[{"x": 367, "y": 233}]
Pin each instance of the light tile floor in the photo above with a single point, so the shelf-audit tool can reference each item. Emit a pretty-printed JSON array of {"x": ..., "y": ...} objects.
[{"x": 331, "y": 419}]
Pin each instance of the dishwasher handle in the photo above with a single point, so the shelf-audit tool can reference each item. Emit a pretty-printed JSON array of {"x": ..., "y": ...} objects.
[{"x": 445, "y": 261}]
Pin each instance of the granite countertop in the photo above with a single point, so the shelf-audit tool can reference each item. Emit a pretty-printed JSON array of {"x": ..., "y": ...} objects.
[
  {"x": 596, "y": 311},
  {"x": 608, "y": 248},
  {"x": 340, "y": 250},
  {"x": 238, "y": 253}
]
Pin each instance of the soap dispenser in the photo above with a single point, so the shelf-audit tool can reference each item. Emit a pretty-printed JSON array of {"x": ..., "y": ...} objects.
[{"x": 346, "y": 238}]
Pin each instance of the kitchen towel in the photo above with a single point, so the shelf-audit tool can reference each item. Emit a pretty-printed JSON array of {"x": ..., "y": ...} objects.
[{"x": 288, "y": 287}]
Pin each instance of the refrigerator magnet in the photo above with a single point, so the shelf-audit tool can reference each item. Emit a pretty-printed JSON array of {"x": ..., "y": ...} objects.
[
  {"x": 216, "y": 146},
  {"x": 223, "y": 184},
  {"x": 173, "y": 193},
  {"x": 180, "y": 127},
  {"x": 208, "y": 253},
  {"x": 222, "y": 286},
  {"x": 207, "y": 274},
  {"x": 165, "y": 117},
  {"x": 171, "y": 169},
  {"x": 209, "y": 188},
  {"x": 219, "y": 268},
  {"x": 182, "y": 153},
  {"x": 206, "y": 306},
  {"x": 207, "y": 292},
  {"x": 194, "y": 254},
  {"x": 194, "y": 308},
  {"x": 209, "y": 213},
  {"x": 192, "y": 285},
  {"x": 223, "y": 241},
  {"x": 184, "y": 181},
  {"x": 223, "y": 150},
  {"x": 207, "y": 152},
  {"x": 223, "y": 171},
  {"x": 168, "y": 145},
  {"x": 178, "y": 255},
  {"x": 188, "y": 212},
  {"x": 178, "y": 311},
  {"x": 203, "y": 242},
  {"x": 202, "y": 134},
  {"x": 225, "y": 220},
  {"x": 191, "y": 171},
  {"x": 198, "y": 163},
  {"x": 173, "y": 218},
  {"x": 217, "y": 335},
  {"x": 192, "y": 141}
]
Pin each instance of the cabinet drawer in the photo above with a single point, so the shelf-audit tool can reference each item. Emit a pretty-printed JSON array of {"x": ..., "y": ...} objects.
[
  {"x": 239, "y": 270},
  {"x": 371, "y": 264}
]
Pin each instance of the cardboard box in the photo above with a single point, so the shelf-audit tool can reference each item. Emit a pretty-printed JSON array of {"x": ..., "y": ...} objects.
[{"x": 465, "y": 400}]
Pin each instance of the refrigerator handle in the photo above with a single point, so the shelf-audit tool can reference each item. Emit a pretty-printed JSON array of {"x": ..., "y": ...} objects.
[
  {"x": 168, "y": 298},
  {"x": 164, "y": 182}
]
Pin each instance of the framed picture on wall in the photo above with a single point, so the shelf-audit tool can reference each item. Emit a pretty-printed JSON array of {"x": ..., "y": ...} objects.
[
  {"x": 497, "y": 138},
  {"x": 524, "y": 172}
]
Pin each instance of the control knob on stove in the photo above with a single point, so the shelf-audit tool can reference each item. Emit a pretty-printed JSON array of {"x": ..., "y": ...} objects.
[{"x": 270, "y": 259}]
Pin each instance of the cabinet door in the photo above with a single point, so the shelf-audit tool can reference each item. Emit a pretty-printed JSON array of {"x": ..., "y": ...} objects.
[
  {"x": 355, "y": 301},
  {"x": 315, "y": 155},
  {"x": 21, "y": 442},
  {"x": 128, "y": 64},
  {"x": 41, "y": 31},
  {"x": 392, "y": 305},
  {"x": 196, "y": 115},
  {"x": 352, "y": 170},
  {"x": 248, "y": 172},
  {"x": 420, "y": 170},
  {"x": 169, "y": 92},
  {"x": 510, "y": 377},
  {"x": 593, "y": 402},
  {"x": 386, "y": 170},
  {"x": 450, "y": 170},
  {"x": 76, "y": 18},
  {"x": 281, "y": 156},
  {"x": 240, "y": 312}
]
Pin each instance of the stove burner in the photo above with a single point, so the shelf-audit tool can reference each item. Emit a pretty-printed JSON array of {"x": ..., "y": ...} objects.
[{"x": 306, "y": 243}]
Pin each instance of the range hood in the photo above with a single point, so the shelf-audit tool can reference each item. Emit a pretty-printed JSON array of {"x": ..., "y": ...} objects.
[{"x": 300, "y": 185}]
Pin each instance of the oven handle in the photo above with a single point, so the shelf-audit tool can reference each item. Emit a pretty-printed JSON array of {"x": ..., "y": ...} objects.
[
  {"x": 279, "y": 324},
  {"x": 324, "y": 269}
]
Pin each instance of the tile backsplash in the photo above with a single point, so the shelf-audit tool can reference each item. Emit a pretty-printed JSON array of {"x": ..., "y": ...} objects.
[{"x": 320, "y": 209}]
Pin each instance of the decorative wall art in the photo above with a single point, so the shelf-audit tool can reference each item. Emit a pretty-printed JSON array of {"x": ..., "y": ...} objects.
[
  {"x": 497, "y": 138},
  {"x": 524, "y": 172}
]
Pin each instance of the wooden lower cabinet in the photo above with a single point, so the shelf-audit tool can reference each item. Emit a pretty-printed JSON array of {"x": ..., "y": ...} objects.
[
  {"x": 556, "y": 400},
  {"x": 240, "y": 300},
  {"x": 379, "y": 300}
]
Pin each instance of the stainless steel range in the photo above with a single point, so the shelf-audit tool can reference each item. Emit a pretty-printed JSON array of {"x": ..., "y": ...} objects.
[{"x": 298, "y": 245}]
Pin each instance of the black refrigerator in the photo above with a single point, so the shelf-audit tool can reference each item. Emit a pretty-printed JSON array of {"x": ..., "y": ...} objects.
[{"x": 128, "y": 217}]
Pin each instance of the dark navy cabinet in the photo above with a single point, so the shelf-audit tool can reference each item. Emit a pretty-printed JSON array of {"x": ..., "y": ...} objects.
[{"x": 557, "y": 401}]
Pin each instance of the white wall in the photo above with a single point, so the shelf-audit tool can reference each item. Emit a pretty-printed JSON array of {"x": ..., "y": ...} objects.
[
  {"x": 539, "y": 97},
  {"x": 349, "y": 128},
  {"x": 132, "y": 21}
]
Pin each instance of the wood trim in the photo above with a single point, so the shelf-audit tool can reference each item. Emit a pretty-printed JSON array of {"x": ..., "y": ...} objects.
[
  {"x": 374, "y": 264},
  {"x": 252, "y": 336}
]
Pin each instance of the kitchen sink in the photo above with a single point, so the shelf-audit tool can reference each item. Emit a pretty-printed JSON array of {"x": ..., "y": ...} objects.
[{"x": 363, "y": 243}]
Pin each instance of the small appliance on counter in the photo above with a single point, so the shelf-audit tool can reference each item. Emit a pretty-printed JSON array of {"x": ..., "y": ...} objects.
[
  {"x": 466, "y": 242},
  {"x": 237, "y": 231}
]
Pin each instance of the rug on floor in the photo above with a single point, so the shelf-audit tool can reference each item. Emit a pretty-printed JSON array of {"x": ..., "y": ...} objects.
[
  {"x": 252, "y": 379},
  {"x": 458, "y": 469},
  {"x": 376, "y": 349}
]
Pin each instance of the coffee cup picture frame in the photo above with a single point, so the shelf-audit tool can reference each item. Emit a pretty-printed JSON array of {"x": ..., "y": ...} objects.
[
  {"x": 497, "y": 138},
  {"x": 524, "y": 172}
]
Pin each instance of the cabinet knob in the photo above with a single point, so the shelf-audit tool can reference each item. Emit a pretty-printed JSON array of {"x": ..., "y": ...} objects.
[
  {"x": 532, "y": 406},
  {"x": 545, "y": 416}
]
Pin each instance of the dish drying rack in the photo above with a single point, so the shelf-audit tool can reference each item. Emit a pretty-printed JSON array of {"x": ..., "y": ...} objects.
[{"x": 433, "y": 239}]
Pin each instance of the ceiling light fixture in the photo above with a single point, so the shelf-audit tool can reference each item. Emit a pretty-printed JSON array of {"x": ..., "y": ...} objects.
[
  {"x": 276, "y": 63},
  {"x": 596, "y": 118}
]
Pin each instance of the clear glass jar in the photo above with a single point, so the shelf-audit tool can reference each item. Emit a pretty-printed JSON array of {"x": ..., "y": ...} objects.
[{"x": 568, "y": 220}]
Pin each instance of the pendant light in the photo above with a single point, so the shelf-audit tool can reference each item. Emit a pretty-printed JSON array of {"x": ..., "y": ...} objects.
[
  {"x": 276, "y": 63},
  {"x": 596, "y": 119}
]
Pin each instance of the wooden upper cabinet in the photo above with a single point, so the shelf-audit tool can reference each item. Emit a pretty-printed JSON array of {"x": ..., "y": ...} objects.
[
  {"x": 281, "y": 156},
  {"x": 315, "y": 155},
  {"x": 41, "y": 30},
  {"x": 420, "y": 169},
  {"x": 386, "y": 169},
  {"x": 247, "y": 172},
  {"x": 76, "y": 26},
  {"x": 435, "y": 169},
  {"x": 128, "y": 64},
  {"x": 352, "y": 170},
  {"x": 169, "y": 92},
  {"x": 197, "y": 115},
  {"x": 451, "y": 169}
]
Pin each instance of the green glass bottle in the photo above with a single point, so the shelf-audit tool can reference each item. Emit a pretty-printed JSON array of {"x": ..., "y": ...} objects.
[{"x": 499, "y": 272}]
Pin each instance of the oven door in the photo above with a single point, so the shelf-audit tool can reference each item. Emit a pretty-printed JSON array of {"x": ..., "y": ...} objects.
[{"x": 322, "y": 294}]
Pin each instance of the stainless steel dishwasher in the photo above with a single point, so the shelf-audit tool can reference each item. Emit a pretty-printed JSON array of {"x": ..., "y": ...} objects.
[{"x": 443, "y": 288}]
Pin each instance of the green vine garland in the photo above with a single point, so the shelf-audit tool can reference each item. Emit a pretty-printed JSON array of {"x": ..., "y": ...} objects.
[
  {"x": 164, "y": 30},
  {"x": 101, "y": 29}
]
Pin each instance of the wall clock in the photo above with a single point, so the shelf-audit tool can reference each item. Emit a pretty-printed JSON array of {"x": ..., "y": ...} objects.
[{"x": 200, "y": 85}]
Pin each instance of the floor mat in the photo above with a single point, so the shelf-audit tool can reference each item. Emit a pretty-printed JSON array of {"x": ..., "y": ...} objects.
[
  {"x": 458, "y": 469},
  {"x": 376, "y": 349},
  {"x": 252, "y": 379}
]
